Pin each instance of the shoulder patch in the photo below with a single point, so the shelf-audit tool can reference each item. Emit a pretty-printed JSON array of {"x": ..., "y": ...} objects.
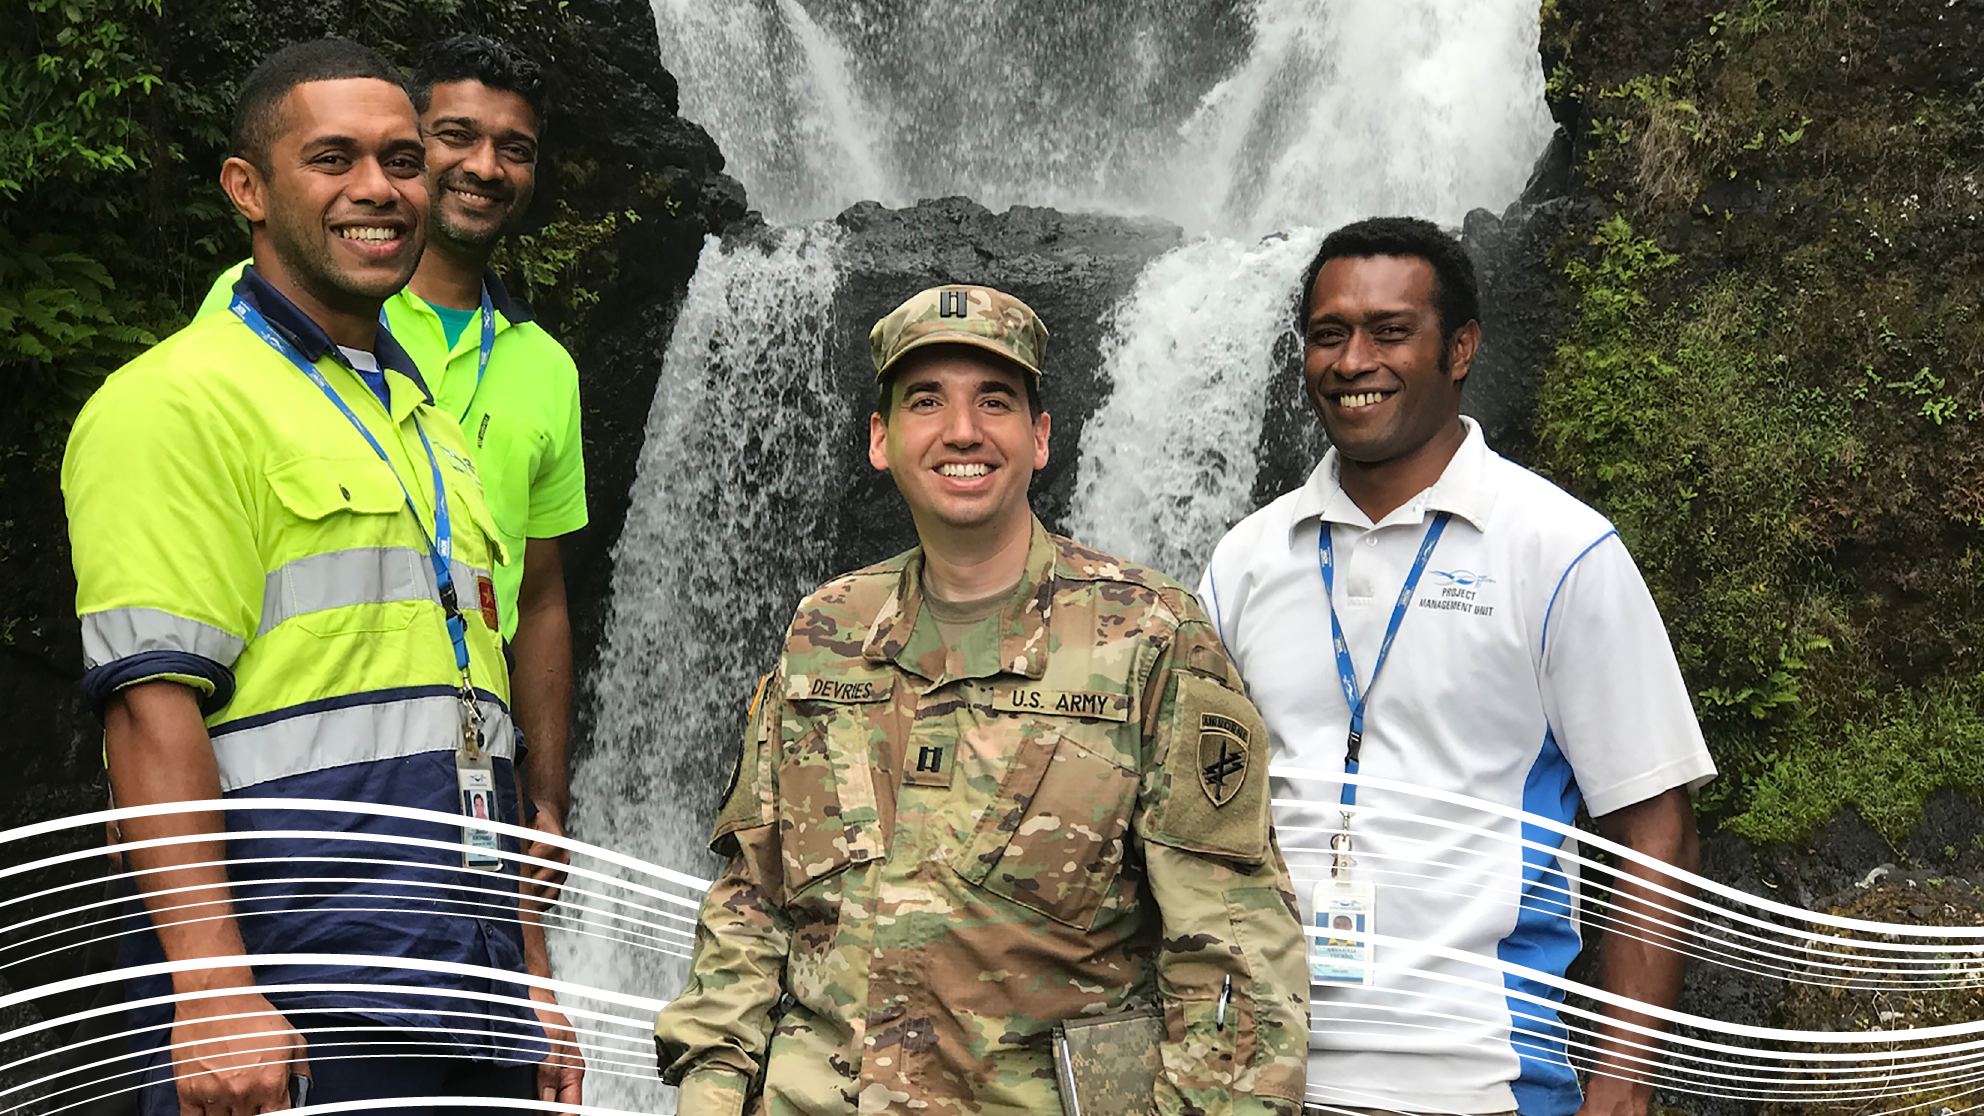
[{"x": 1210, "y": 795}]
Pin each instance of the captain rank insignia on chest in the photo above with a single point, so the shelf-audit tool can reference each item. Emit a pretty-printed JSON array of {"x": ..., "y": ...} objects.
[{"x": 927, "y": 765}]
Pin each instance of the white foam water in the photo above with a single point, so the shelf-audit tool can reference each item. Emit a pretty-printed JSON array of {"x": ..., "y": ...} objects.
[
  {"x": 1168, "y": 461},
  {"x": 727, "y": 529},
  {"x": 1350, "y": 109},
  {"x": 1230, "y": 117}
]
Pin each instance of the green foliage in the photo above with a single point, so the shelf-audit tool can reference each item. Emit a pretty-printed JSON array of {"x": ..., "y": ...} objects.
[
  {"x": 59, "y": 305},
  {"x": 1677, "y": 421},
  {"x": 71, "y": 80},
  {"x": 1772, "y": 379},
  {"x": 114, "y": 119},
  {"x": 1884, "y": 762},
  {"x": 548, "y": 258}
]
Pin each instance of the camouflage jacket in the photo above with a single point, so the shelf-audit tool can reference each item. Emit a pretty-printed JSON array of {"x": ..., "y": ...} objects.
[{"x": 933, "y": 856}]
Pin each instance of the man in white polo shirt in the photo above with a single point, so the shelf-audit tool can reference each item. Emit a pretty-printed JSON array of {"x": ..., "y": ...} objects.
[{"x": 1521, "y": 668}]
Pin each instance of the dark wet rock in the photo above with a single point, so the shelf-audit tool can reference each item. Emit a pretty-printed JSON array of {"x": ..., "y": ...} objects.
[{"x": 1073, "y": 269}]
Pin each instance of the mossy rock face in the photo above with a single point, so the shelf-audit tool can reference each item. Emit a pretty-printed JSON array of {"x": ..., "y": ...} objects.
[
  {"x": 1772, "y": 378},
  {"x": 1943, "y": 992}
]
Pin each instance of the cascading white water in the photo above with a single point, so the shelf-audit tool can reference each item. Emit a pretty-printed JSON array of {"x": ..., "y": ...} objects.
[
  {"x": 1237, "y": 117},
  {"x": 724, "y": 535},
  {"x": 1232, "y": 117},
  {"x": 1363, "y": 108},
  {"x": 1167, "y": 462},
  {"x": 1360, "y": 107}
]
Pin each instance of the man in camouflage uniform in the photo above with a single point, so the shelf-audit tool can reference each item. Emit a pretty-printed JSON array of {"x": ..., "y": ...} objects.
[{"x": 996, "y": 782}]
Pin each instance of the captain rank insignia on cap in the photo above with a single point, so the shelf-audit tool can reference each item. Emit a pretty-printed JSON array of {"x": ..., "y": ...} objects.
[{"x": 1222, "y": 757}]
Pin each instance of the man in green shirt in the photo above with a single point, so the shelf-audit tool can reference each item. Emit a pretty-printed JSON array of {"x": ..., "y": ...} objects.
[{"x": 512, "y": 387}]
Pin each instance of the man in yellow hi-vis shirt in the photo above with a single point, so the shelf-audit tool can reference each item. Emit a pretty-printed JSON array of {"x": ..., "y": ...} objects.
[
  {"x": 278, "y": 537},
  {"x": 512, "y": 386}
]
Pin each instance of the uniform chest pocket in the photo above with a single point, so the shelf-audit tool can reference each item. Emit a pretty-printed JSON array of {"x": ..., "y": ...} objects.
[
  {"x": 316, "y": 488},
  {"x": 828, "y": 818},
  {"x": 363, "y": 578},
  {"x": 1053, "y": 838}
]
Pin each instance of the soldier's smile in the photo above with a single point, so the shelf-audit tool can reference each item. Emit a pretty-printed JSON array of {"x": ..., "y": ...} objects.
[{"x": 966, "y": 477}]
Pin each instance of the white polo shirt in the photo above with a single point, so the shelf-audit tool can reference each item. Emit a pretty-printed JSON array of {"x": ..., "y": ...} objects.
[{"x": 1532, "y": 671}]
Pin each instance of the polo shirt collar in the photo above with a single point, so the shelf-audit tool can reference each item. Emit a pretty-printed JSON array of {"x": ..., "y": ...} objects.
[
  {"x": 901, "y": 634},
  {"x": 514, "y": 310},
  {"x": 310, "y": 339},
  {"x": 1463, "y": 489}
]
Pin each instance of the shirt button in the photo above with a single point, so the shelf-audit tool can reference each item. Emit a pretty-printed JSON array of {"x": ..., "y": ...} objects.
[{"x": 1371, "y": 539}]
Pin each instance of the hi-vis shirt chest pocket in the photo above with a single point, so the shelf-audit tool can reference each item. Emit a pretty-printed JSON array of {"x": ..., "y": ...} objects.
[
  {"x": 316, "y": 488},
  {"x": 357, "y": 580},
  {"x": 467, "y": 494},
  {"x": 828, "y": 815}
]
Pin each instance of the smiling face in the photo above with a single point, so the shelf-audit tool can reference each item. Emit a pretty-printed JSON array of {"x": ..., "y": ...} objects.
[
  {"x": 1377, "y": 371},
  {"x": 341, "y": 212},
  {"x": 960, "y": 441},
  {"x": 482, "y": 153}
]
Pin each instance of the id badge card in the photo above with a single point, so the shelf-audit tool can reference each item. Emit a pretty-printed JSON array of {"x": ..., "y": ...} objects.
[
  {"x": 1341, "y": 950},
  {"x": 477, "y": 779}
]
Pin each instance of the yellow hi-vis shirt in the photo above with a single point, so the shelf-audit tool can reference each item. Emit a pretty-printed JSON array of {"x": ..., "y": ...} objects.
[
  {"x": 232, "y": 531},
  {"x": 522, "y": 421}
]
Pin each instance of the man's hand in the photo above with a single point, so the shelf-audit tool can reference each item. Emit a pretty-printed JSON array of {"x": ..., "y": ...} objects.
[
  {"x": 561, "y": 1075},
  {"x": 233, "y": 1067},
  {"x": 541, "y": 883}
]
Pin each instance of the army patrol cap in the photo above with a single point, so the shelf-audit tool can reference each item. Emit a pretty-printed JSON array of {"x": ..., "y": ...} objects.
[{"x": 961, "y": 315}]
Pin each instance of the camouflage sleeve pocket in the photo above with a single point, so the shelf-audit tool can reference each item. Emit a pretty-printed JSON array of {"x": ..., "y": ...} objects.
[
  {"x": 1210, "y": 795},
  {"x": 748, "y": 802}
]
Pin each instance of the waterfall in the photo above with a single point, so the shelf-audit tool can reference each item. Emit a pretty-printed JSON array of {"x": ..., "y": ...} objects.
[
  {"x": 1232, "y": 118},
  {"x": 724, "y": 536},
  {"x": 1222, "y": 116},
  {"x": 1354, "y": 109},
  {"x": 1168, "y": 462}
]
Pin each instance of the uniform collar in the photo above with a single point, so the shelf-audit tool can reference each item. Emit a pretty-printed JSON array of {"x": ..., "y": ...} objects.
[
  {"x": 1463, "y": 489},
  {"x": 514, "y": 310},
  {"x": 309, "y": 338},
  {"x": 898, "y": 636}
]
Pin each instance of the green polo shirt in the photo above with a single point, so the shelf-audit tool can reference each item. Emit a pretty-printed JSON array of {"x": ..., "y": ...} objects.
[{"x": 522, "y": 421}]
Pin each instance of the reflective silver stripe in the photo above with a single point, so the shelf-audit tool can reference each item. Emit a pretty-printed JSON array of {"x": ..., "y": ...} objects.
[
  {"x": 360, "y": 576},
  {"x": 358, "y": 734},
  {"x": 119, "y": 633}
]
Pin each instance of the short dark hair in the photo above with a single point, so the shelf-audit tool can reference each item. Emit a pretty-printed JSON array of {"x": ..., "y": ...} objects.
[
  {"x": 472, "y": 57},
  {"x": 258, "y": 110},
  {"x": 885, "y": 392},
  {"x": 1455, "y": 293}
]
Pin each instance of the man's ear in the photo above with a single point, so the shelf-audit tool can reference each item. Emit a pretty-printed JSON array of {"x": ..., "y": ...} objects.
[
  {"x": 878, "y": 442},
  {"x": 1461, "y": 350},
  {"x": 246, "y": 188},
  {"x": 1042, "y": 427}
]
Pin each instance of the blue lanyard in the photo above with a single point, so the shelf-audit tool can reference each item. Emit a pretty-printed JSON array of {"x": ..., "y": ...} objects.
[
  {"x": 1346, "y": 671},
  {"x": 440, "y": 544},
  {"x": 488, "y": 345}
]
